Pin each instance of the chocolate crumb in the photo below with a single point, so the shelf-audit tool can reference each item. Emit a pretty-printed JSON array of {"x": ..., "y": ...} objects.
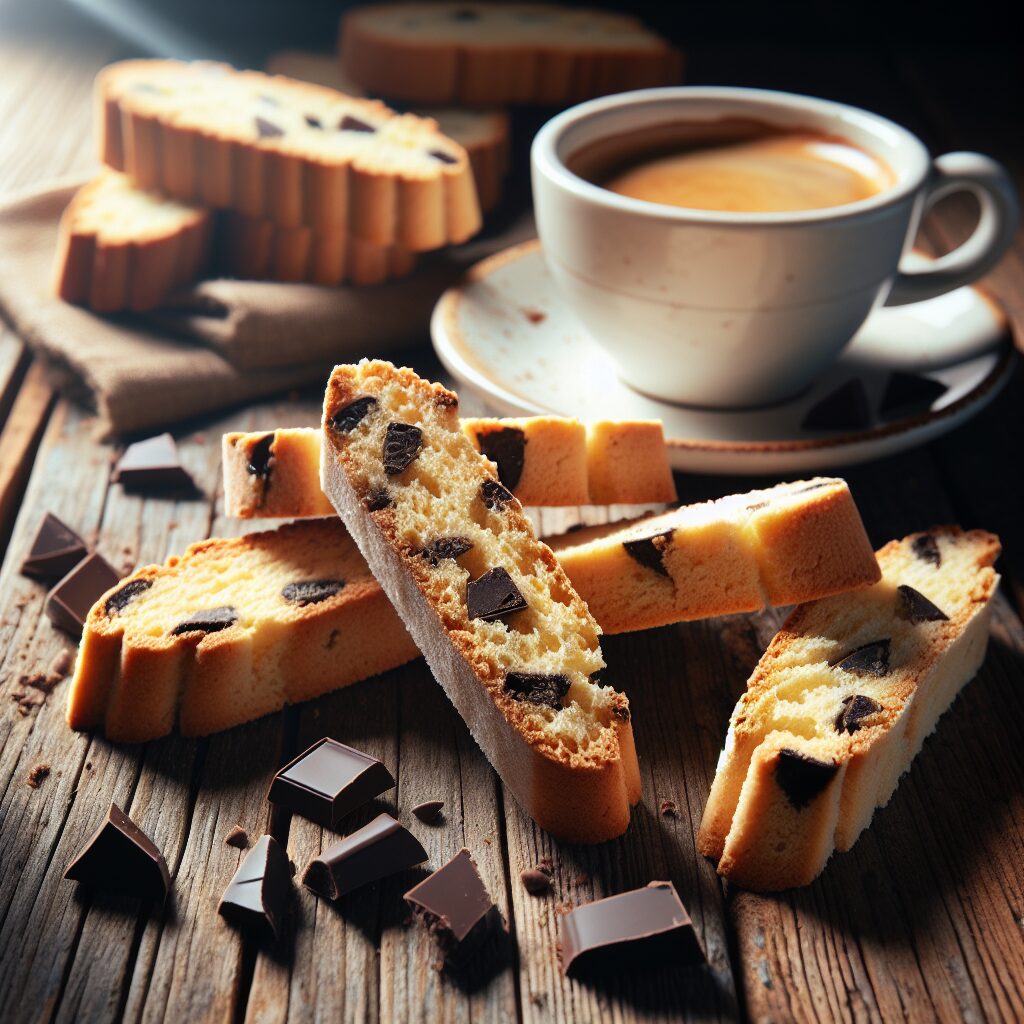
[
  {"x": 60, "y": 666},
  {"x": 313, "y": 121},
  {"x": 669, "y": 809},
  {"x": 378, "y": 501},
  {"x": 37, "y": 774},
  {"x": 237, "y": 837},
  {"x": 535, "y": 316},
  {"x": 429, "y": 811},
  {"x": 538, "y": 999},
  {"x": 495, "y": 495},
  {"x": 353, "y": 124},
  {"x": 535, "y": 881},
  {"x": 445, "y": 548}
]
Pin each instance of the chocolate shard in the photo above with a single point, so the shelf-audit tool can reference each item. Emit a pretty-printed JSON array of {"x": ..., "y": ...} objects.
[
  {"x": 446, "y": 547},
  {"x": 913, "y": 606},
  {"x": 124, "y": 595},
  {"x": 260, "y": 455},
  {"x": 122, "y": 858},
  {"x": 304, "y": 592},
  {"x": 329, "y": 781},
  {"x": 258, "y": 895},
  {"x": 867, "y": 660},
  {"x": 506, "y": 448},
  {"x": 455, "y": 907},
  {"x": 267, "y": 129},
  {"x": 495, "y": 495},
  {"x": 926, "y": 548},
  {"x": 379, "y": 500},
  {"x": 846, "y": 408},
  {"x": 208, "y": 620},
  {"x": 402, "y": 443},
  {"x": 493, "y": 596},
  {"x": 348, "y": 123},
  {"x": 346, "y": 419},
  {"x": 382, "y": 848},
  {"x": 802, "y": 777},
  {"x": 907, "y": 394},
  {"x": 68, "y": 604},
  {"x": 56, "y": 549},
  {"x": 445, "y": 158},
  {"x": 646, "y": 927},
  {"x": 650, "y": 551},
  {"x": 153, "y": 465},
  {"x": 537, "y": 688},
  {"x": 429, "y": 811},
  {"x": 855, "y": 710}
]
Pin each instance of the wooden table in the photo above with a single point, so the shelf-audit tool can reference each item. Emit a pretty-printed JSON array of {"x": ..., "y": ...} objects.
[{"x": 923, "y": 919}]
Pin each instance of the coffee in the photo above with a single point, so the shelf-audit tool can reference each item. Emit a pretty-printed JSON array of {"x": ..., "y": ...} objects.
[{"x": 738, "y": 166}]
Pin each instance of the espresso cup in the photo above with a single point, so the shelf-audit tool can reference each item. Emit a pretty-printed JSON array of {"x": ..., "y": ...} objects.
[{"x": 727, "y": 309}]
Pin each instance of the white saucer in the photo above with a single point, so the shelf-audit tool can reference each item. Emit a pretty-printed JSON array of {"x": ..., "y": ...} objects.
[{"x": 504, "y": 333}]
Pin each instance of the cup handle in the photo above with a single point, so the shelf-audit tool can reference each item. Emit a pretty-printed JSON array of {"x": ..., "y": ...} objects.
[{"x": 992, "y": 235}]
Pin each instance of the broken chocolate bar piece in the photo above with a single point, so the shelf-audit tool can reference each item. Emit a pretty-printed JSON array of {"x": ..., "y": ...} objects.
[
  {"x": 329, "y": 781},
  {"x": 153, "y": 465},
  {"x": 506, "y": 448},
  {"x": 642, "y": 928},
  {"x": 648, "y": 552},
  {"x": 537, "y": 688},
  {"x": 846, "y": 408},
  {"x": 305, "y": 592},
  {"x": 382, "y": 848},
  {"x": 121, "y": 857},
  {"x": 867, "y": 660},
  {"x": 855, "y": 710},
  {"x": 493, "y": 596},
  {"x": 349, "y": 417},
  {"x": 402, "y": 443},
  {"x": 257, "y": 896},
  {"x": 68, "y": 604},
  {"x": 914, "y": 607},
  {"x": 907, "y": 394},
  {"x": 209, "y": 620},
  {"x": 56, "y": 549},
  {"x": 429, "y": 811},
  {"x": 802, "y": 777}
]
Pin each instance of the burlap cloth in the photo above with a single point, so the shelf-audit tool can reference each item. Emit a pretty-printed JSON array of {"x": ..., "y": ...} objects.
[{"x": 219, "y": 344}]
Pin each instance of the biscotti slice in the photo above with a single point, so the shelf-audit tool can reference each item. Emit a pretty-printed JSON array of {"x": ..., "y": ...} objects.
[
  {"x": 121, "y": 248},
  {"x": 789, "y": 543},
  {"x": 512, "y": 644},
  {"x": 284, "y": 151},
  {"x": 493, "y": 54},
  {"x": 483, "y": 134},
  {"x": 232, "y": 630},
  {"x": 841, "y": 703}
]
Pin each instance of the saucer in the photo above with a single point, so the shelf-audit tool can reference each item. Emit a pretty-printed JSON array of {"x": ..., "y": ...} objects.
[{"x": 504, "y": 332}]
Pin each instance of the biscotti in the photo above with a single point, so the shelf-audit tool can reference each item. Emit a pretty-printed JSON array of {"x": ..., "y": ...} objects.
[
  {"x": 501, "y": 628},
  {"x": 232, "y": 630},
  {"x": 789, "y": 543},
  {"x": 120, "y": 248},
  {"x": 288, "y": 152},
  {"x": 494, "y": 54},
  {"x": 840, "y": 704},
  {"x": 483, "y": 134}
]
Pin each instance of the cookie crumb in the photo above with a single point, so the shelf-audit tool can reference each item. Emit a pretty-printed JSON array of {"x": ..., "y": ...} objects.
[
  {"x": 37, "y": 774},
  {"x": 237, "y": 837},
  {"x": 535, "y": 881},
  {"x": 60, "y": 666},
  {"x": 538, "y": 999},
  {"x": 669, "y": 809}
]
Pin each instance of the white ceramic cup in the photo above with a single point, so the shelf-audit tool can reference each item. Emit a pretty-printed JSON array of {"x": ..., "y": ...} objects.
[{"x": 736, "y": 309}]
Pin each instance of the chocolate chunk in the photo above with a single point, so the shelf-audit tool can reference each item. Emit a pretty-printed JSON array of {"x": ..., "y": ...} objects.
[
  {"x": 347, "y": 418},
  {"x": 123, "y": 596},
  {"x": 535, "y": 881},
  {"x": 267, "y": 129},
  {"x": 913, "y": 606},
  {"x": 455, "y": 907},
  {"x": 446, "y": 547},
  {"x": 537, "y": 688},
  {"x": 68, "y": 604},
  {"x": 495, "y": 495},
  {"x": 506, "y": 448},
  {"x": 402, "y": 442},
  {"x": 237, "y": 837},
  {"x": 907, "y": 394},
  {"x": 258, "y": 895},
  {"x": 352, "y": 124},
  {"x": 846, "y": 408},
  {"x": 260, "y": 454},
  {"x": 379, "y": 500},
  {"x": 926, "y": 548},
  {"x": 382, "y": 848},
  {"x": 306, "y": 592},
  {"x": 868, "y": 660},
  {"x": 56, "y": 549},
  {"x": 313, "y": 121},
  {"x": 445, "y": 158},
  {"x": 37, "y": 775},
  {"x": 209, "y": 620},
  {"x": 802, "y": 777},
  {"x": 493, "y": 596},
  {"x": 855, "y": 710},
  {"x": 152, "y": 465},
  {"x": 329, "y": 781},
  {"x": 648, "y": 552},
  {"x": 642, "y": 928},
  {"x": 121, "y": 857},
  {"x": 429, "y": 811}
]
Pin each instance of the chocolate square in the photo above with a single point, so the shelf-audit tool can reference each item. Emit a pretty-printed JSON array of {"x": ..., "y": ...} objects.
[
  {"x": 68, "y": 604},
  {"x": 258, "y": 895},
  {"x": 153, "y": 465},
  {"x": 56, "y": 549},
  {"x": 493, "y": 596}
]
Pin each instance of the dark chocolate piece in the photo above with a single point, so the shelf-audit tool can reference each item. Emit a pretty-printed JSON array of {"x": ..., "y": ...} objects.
[
  {"x": 267, "y": 129},
  {"x": 305, "y": 592},
  {"x": 907, "y": 394},
  {"x": 346, "y": 419},
  {"x": 445, "y": 158},
  {"x": 123, "y": 596},
  {"x": 68, "y": 604},
  {"x": 121, "y": 857},
  {"x": 446, "y": 547},
  {"x": 926, "y": 548},
  {"x": 260, "y": 454},
  {"x": 348, "y": 123},
  {"x": 56, "y": 549},
  {"x": 429, "y": 811},
  {"x": 493, "y": 595},
  {"x": 802, "y": 777},
  {"x": 506, "y": 448},
  {"x": 258, "y": 895},
  {"x": 648, "y": 552},
  {"x": 402, "y": 443},
  {"x": 495, "y": 495},
  {"x": 329, "y": 781},
  {"x": 867, "y": 660},
  {"x": 208, "y": 620},
  {"x": 237, "y": 837},
  {"x": 914, "y": 607},
  {"x": 642, "y": 928},
  {"x": 855, "y": 710},
  {"x": 846, "y": 408},
  {"x": 382, "y": 848},
  {"x": 313, "y": 121},
  {"x": 535, "y": 881},
  {"x": 152, "y": 465},
  {"x": 537, "y": 688},
  {"x": 379, "y": 500},
  {"x": 455, "y": 907}
]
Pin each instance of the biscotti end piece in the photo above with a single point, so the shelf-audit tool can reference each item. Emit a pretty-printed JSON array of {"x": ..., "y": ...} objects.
[
  {"x": 627, "y": 463},
  {"x": 502, "y": 629},
  {"x": 840, "y": 704}
]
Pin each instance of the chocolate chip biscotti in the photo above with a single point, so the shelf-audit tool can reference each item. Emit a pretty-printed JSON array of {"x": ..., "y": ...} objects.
[
  {"x": 493, "y": 54},
  {"x": 284, "y": 151},
  {"x": 841, "y": 703},
  {"x": 232, "y": 630},
  {"x": 741, "y": 553},
  {"x": 498, "y": 621}
]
